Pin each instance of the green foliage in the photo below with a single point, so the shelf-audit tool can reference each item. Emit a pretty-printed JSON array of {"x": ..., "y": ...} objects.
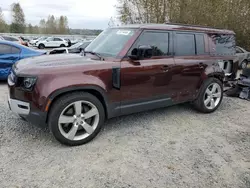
[
  {"x": 18, "y": 19},
  {"x": 228, "y": 14},
  {"x": 54, "y": 25},
  {"x": 3, "y": 26}
]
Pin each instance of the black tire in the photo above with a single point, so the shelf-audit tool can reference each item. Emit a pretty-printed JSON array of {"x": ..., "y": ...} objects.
[
  {"x": 41, "y": 46},
  {"x": 61, "y": 104},
  {"x": 199, "y": 102},
  {"x": 62, "y": 45},
  {"x": 243, "y": 64}
]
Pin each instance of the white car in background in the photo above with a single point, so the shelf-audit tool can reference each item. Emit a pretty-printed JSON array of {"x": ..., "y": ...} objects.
[
  {"x": 35, "y": 40},
  {"x": 52, "y": 42}
]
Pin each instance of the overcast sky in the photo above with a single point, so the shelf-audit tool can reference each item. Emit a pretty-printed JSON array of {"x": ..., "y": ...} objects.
[{"x": 90, "y": 14}]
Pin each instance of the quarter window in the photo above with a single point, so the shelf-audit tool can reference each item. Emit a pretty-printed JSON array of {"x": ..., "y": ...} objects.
[
  {"x": 200, "y": 44},
  {"x": 159, "y": 41},
  {"x": 57, "y": 39},
  {"x": 224, "y": 44}
]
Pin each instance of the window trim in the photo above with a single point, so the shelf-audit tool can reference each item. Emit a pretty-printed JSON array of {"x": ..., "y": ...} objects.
[
  {"x": 170, "y": 44},
  {"x": 195, "y": 41}
]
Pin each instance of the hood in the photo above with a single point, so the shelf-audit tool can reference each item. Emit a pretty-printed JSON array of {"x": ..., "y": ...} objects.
[{"x": 51, "y": 62}]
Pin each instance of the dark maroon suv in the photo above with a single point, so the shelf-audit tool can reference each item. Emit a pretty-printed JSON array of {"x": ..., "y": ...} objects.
[{"x": 124, "y": 70}]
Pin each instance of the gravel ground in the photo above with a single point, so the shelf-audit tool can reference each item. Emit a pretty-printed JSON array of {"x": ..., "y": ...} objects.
[{"x": 171, "y": 147}]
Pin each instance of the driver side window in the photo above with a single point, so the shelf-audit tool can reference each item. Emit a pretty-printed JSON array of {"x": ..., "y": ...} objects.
[{"x": 157, "y": 40}]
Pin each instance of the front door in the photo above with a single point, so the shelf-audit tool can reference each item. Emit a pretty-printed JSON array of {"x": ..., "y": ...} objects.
[{"x": 147, "y": 83}]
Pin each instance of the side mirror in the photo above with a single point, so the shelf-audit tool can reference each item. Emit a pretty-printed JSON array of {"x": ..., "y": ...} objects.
[{"x": 141, "y": 52}]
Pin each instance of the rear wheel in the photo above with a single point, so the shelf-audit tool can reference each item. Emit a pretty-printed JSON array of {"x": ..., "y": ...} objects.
[
  {"x": 62, "y": 45},
  {"x": 76, "y": 118},
  {"x": 210, "y": 96},
  {"x": 41, "y": 46}
]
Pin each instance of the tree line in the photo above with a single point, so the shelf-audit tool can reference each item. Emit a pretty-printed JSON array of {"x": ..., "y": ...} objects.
[
  {"x": 226, "y": 14},
  {"x": 51, "y": 25}
]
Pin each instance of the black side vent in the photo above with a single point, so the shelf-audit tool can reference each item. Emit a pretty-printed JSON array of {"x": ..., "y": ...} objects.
[{"x": 116, "y": 80}]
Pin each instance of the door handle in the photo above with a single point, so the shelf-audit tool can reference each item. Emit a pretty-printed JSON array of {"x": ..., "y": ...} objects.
[
  {"x": 165, "y": 68},
  {"x": 201, "y": 65}
]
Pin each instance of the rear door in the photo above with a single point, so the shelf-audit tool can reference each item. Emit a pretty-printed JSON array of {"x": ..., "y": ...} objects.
[
  {"x": 8, "y": 56},
  {"x": 50, "y": 42},
  {"x": 58, "y": 42},
  {"x": 190, "y": 59}
]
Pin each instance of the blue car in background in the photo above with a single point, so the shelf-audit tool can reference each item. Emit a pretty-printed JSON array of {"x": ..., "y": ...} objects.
[{"x": 10, "y": 53}]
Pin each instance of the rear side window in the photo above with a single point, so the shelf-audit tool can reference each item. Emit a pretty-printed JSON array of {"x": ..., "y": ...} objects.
[
  {"x": 10, "y": 39},
  {"x": 15, "y": 50},
  {"x": 224, "y": 44},
  {"x": 7, "y": 49},
  {"x": 159, "y": 41},
  {"x": 185, "y": 44},
  {"x": 57, "y": 39}
]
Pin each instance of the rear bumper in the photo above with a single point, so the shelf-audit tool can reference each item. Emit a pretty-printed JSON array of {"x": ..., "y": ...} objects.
[{"x": 24, "y": 110}]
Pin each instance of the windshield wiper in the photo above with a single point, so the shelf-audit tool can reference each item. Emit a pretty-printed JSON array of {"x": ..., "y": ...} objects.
[{"x": 94, "y": 53}]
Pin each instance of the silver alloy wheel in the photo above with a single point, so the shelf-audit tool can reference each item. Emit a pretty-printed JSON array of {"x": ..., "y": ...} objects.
[
  {"x": 243, "y": 65},
  {"x": 78, "y": 120},
  {"x": 212, "y": 96}
]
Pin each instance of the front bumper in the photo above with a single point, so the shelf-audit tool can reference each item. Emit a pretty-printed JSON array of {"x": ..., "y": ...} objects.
[
  {"x": 24, "y": 109},
  {"x": 19, "y": 107}
]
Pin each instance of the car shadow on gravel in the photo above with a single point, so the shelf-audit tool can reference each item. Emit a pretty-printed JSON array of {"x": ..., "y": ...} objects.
[
  {"x": 132, "y": 120},
  {"x": 2, "y": 83}
]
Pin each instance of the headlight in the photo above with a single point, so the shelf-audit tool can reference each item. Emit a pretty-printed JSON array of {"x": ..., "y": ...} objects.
[{"x": 28, "y": 83}]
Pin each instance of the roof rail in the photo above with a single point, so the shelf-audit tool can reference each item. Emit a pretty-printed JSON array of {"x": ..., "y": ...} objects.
[{"x": 190, "y": 25}]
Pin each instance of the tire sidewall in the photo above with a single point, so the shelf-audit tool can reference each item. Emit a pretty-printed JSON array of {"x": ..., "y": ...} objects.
[
  {"x": 41, "y": 46},
  {"x": 62, "y": 104},
  {"x": 243, "y": 64},
  {"x": 200, "y": 100}
]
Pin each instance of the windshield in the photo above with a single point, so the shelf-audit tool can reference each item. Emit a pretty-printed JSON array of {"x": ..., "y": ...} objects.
[{"x": 111, "y": 41}]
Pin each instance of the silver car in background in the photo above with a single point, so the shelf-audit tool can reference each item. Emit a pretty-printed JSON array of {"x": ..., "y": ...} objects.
[{"x": 243, "y": 57}]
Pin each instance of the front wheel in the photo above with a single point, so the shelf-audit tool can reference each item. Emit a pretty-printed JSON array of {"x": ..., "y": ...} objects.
[
  {"x": 76, "y": 119},
  {"x": 210, "y": 96},
  {"x": 244, "y": 64}
]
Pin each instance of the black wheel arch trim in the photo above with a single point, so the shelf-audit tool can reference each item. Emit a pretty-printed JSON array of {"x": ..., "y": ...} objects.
[{"x": 98, "y": 89}]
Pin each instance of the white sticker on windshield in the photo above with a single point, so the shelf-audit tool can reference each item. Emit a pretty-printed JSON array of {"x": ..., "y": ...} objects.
[{"x": 123, "y": 32}]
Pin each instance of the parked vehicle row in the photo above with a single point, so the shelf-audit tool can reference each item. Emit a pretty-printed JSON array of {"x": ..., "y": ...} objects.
[
  {"x": 124, "y": 70},
  {"x": 18, "y": 40},
  {"x": 44, "y": 41},
  {"x": 76, "y": 48}
]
